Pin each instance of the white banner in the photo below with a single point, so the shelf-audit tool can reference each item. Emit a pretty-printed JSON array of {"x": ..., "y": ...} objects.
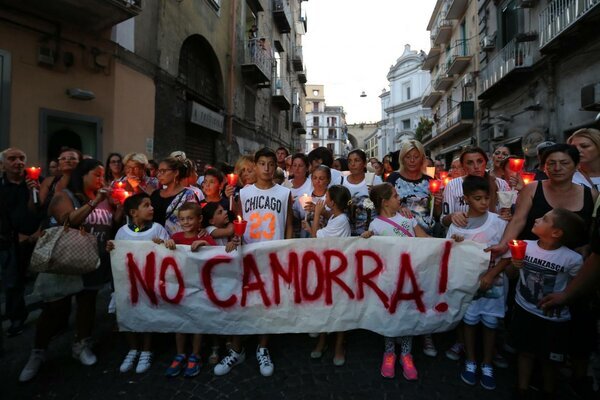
[{"x": 392, "y": 286}]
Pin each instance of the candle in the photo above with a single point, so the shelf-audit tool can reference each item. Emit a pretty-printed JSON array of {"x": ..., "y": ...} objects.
[
  {"x": 431, "y": 171},
  {"x": 33, "y": 173},
  {"x": 385, "y": 176},
  {"x": 239, "y": 226},
  {"x": 119, "y": 185},
  {"x": 232, "y": 179},
  {"x": 434, "y": 186},
  {"x": 528, "y": 177},
  {"x": 516, "y": 164},
  {"x": 517, "y": 249},
  {"x": 446, "y": 181},
  {"x": 443, "y": 175},
  {"x": 304, "y": 200}
]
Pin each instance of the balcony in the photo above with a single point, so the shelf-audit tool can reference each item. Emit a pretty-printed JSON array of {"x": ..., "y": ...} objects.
[
  {"x": 442, "y": 32},
  {"x": 563, "y": 21},
  {"x": 282, "y": 16},
  {"x": 301, "y": 27},
  {"x": 431, "y": 97},
  {"x": 302, "y": 76},
  {"x": 282, "y": 94},
  {"x": 513, "y": 60},
  {"x": 442, "y": 81},
  {"x": 90, "y": 15},
  {"x": 297, "y": 59},
  {"x": 297, "y": 117},
  {"x": 258, "y": 64},
  {"x": 460, "y": 57},
  {"x": 460, "y": 118},
  {"x": 457, "y": 9},
  {"x": 432, "y": 58},
  {"x": 331, "y": 135}
]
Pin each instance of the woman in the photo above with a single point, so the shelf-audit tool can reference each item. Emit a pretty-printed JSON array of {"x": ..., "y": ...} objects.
[
  {"x": 340, "y": 164},
  {"x": 320, "y": 180},
  {"x": 456, "y": 169},
  {"x": 151, "y": 168},
  {"x": 53, "y": 168},
  {"x": 172, "y": 176},
  {"x": 299, "y": 185},
  {"x": 501, "y": 153},
  {"x": 135, "y": 177},
  {"x": 67, "y": 161},
  {"x": 587, "y": 142},
  {"x": 244, "y": 168},
  {"x": 85, "y": 204},
  {"x": 113, "y": 170},
  {"x": 377, "y": 166},
  {"x": 359, "y": 184}
]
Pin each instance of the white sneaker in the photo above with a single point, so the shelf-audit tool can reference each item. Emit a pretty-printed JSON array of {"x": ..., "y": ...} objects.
[
  {"x": 229, "y": 361},
  {"x": 112, "y": 304},
  {"x": 129, "y": 360},
  {"x": 37, "y": 357},
  {"x": 82, "y": 351},
  {"x": 428, "y": 346},
  {"x": 264, "y": 361},
  {"x": 144, "y": 363}
]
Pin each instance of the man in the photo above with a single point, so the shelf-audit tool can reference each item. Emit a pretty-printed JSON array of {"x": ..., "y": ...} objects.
[
  {"x": 281, "y": 154},
  {"x": 322, "y": 155},
  {"x": 19, "y": 223},
  {"x": 540, "y": 175}
]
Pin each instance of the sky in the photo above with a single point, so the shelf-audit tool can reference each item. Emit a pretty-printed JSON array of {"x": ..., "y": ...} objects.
[{"x": 350, "y": 46}]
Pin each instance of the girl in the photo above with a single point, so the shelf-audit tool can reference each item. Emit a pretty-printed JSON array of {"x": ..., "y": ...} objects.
[
  {"x": 337, "y": 199},
  {"x": 113, "y": 170},
  {"x": 390, "y": 222},
  {"x": 190, "y": 219},
  {"x": 320, "y": 179}
]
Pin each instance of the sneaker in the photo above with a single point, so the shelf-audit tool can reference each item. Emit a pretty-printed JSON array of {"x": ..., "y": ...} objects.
[
  {"x": 264, "y": 361},
  {"x": 469, "y": 373},
  {"x": 408, "y": 367},
  {"x": 500, "y": 361},
  {"x": 388, "y": 365},
  {"x": 112, "y": 304},
  {"x": 487, "y": 380},
  {"x": 82, "y": 351},
  {"x": 213, "y": 359},
  {"x": 193, "y": 366},
  {"x": 144, "y": 362},
  {"x": 177, "y": 365},
  {"x": 37, "y": 357},
  {"x": 229, "y": 361},
  {"x": 129, "y": 360},
  {"x": 456, "y": 351},
  {"x": 428, "y": 346}
]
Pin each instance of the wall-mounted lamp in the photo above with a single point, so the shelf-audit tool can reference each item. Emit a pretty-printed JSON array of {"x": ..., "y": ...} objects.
[
  {"x": 363, "y": 94},
  {"x": 80, "y": 94}
]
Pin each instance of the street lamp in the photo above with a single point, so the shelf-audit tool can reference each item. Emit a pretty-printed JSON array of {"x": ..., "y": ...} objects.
[{"x": 363, "y": 94}]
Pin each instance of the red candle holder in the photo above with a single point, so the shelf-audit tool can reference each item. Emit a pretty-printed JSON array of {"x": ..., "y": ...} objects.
[
  {"x": 528, "y": 177},
  {"x": 33, "y": 173},
  {"x": 516, "y": 164},
  {"x": 434, "y": 186},
  {"x": 239, "y": 226},
  {"x": 517, "y": 249},
  {"x": 385, "y": 176},
  {"x": 446, "y": 181},
  {"x": 443, "y": 175},
  {"x": 232, "y": 179}
]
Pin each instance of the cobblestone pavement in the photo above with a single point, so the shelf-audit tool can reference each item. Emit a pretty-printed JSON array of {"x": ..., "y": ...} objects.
[{"x": 296, "y": 375}]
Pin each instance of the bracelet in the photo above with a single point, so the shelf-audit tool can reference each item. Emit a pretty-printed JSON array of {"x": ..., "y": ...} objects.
[{"x": 92, "y": 204}]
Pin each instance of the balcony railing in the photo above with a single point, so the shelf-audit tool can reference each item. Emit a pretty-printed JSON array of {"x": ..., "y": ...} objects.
[
  {"x": 514, "y": 56},
  {"x": 302, "y": 76},
  {"x": 460, "y": 56},
  {"x": 332, "y": 135},
  {"x": 258, "y": 63},
  {"x": 282, "y": 16},
  {"x": 282, "y": 93},
  {"x": 442, "y": 31},
  {"x": 460, "y": 116},
  {"x": 431, "y": 97},
  {"x": 442, "y": 81},
  {"x": 560, "y": 15},
  {"x": 432, "y": 58},
  {"x": 297, "y": 58},
  {"x": 297, "y": 117}
]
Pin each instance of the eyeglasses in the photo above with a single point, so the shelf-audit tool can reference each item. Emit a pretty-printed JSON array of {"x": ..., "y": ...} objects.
[
  {"x": 135, "y": 168},
  {"x": 67, "y": 159},
  {"x": 115, "y": 162},
  {"x": 164, "y": 171}
]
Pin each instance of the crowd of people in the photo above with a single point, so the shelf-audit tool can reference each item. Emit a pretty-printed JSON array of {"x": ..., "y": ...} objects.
[{"x": 545, "y": 304}]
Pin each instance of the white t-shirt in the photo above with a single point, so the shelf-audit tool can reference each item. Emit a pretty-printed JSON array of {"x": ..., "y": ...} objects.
[
  {"x": 380, "y": 227},
  {"x": 266, "y": 212},
  {"x": 222, "y": 241},
  {"x": 359, "y": 192},
  {"x": 305, "y": 188},
  {"x": 336, "y": 177},
  {"x": 545, "y": 272},
  {"x": 336, "y": 227},
  {"x": 454, "y": 200},
  {"x": 490, "y": 233},
  {"x": 580, "y": 179},
  {"x": 156, "y": 231}
]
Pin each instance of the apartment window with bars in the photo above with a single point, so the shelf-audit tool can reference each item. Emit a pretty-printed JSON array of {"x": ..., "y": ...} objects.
[
  {"x": 331, "y": 147},
  {"x": 315, "y": 106},
  {"x": 315, "y": 121},
  {"x": 315, "y": 133},
  {"x": 332, "y": 134},
  {"x": 406, "y": 124}
]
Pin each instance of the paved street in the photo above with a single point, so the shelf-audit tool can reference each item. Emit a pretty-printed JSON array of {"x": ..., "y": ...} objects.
[{"x": 296, "y": 375}]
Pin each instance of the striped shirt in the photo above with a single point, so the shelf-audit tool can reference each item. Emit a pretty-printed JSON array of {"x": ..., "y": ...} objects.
[{"x": 454, "y": 200}]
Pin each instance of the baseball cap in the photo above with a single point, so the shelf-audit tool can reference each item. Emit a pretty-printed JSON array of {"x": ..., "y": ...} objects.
[{"x": 543, "y": 146}]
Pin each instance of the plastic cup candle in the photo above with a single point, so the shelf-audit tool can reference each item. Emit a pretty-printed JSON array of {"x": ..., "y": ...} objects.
[
  {"x": 443, "y": 175},
  {"x": 239, "y": 226},
  {"x": 517, "y": 249},
  {"x": 385, "y": 176},
  {"x": 304, "y": 200},
  {"x": 516, "y": 164},
  {"x": 232, "y": 179},
  {"x": 528, "y": 177},
  {"x": 33, "y": 173},
  {"x": 446, "y": 181},
  {"x": 434, "y": 186},
  {"x": 431, "y": 171}
]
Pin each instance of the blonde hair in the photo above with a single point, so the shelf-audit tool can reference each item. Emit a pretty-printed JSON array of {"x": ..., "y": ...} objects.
[
  {"x": 589, "y": 133},
  {"x": 139, "y": 158},
  {"x": 241, "y": 163},
  {"x": 408, "y": 145}
]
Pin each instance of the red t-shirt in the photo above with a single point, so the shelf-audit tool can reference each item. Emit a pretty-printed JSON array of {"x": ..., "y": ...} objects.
[{"x": 180, "y": 238}]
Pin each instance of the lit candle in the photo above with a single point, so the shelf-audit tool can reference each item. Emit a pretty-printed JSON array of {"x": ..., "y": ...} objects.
[
  {"x": 516, "y": 164},
  {"x": 431, "y": 171},
  {"x": 33, "y": 173},
  {"x": 443, "y": 175},
  {"x": 304, "y": 200},
  {"x": 385, "y": 176},
  {"x": 446, "y": 181},
  {"x": 528, "y": 177},
  {"x": 239, "y": 226},
  {"x": 232, "y": 179},
  {"x": 517, "y": 249},
  {"x": 434, "y": 186}
]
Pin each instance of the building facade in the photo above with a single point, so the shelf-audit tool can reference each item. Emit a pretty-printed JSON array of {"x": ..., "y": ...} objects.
[
  {"x": 401, "y": 108},
  {"x": 326, "y": 125}
]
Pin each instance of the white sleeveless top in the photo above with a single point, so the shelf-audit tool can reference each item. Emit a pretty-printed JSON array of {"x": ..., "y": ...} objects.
[{"x": 265, "y": 211}]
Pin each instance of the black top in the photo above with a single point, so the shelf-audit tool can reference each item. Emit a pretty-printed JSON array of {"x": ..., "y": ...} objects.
[
  {"x": 540, "y": 206},
  {"x": 14, "y": 210},
  {"x": 160, "y": 205}
]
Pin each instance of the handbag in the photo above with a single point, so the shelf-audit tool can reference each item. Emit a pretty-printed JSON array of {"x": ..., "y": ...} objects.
[{"x": 65, "y": 250}]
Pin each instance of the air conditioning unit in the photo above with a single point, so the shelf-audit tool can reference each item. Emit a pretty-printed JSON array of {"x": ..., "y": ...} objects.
[
  {"x": 488, "y": 43},
  {"x": 590, "y": 97},
  {"x": 467, "y": 80},
  {"x": 498, "y": 131}
]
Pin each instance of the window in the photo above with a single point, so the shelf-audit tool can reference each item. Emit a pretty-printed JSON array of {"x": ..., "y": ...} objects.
[
  {"x": 408, "y": 93},
  {"x": 315, "y": 133},
  {"x": 249, "y": 105},
  {"x": 275, "y": 126},
  {"x": 406, "y": 124},
  {"x": 315, "y": 121},
  {"x": 509, "y": 21},
  {"x": 331, "y": 147},
  {"x": 332, "y": 134},
  {"x": 331, "y": 121},
  {"x": 315, "y": 145},
  {"x": 315, "y": 106}
]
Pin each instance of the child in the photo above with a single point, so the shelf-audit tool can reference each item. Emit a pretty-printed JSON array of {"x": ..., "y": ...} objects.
[
  {"x": 488, "y": 305},
  {"x": 337, "y": 199},
  {"x": 268, "y": 207},
  {"x": 190, "y": 219},
  {"x": 215, "y": 219},
  {"x": 140, "y": 214},
  {"x": 547, "y": 268},
  {"x": 390, "y": 222}
]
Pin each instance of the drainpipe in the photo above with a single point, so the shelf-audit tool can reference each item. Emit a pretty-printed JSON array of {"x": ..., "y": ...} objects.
[{"x": 231, "y": 72}]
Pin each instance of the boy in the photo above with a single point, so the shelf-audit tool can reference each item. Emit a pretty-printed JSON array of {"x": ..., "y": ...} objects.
[
  {"x": 487, "y": 306},
  {"x": 546, "y": 269},
  {"x": 268, "y": 209},
  {"x": 139, "y": 226}
]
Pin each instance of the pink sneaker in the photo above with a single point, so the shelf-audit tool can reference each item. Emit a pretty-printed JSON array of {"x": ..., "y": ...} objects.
[
  {"x": 388, "y": 365},
  {"x": 408, "y": 366}
]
